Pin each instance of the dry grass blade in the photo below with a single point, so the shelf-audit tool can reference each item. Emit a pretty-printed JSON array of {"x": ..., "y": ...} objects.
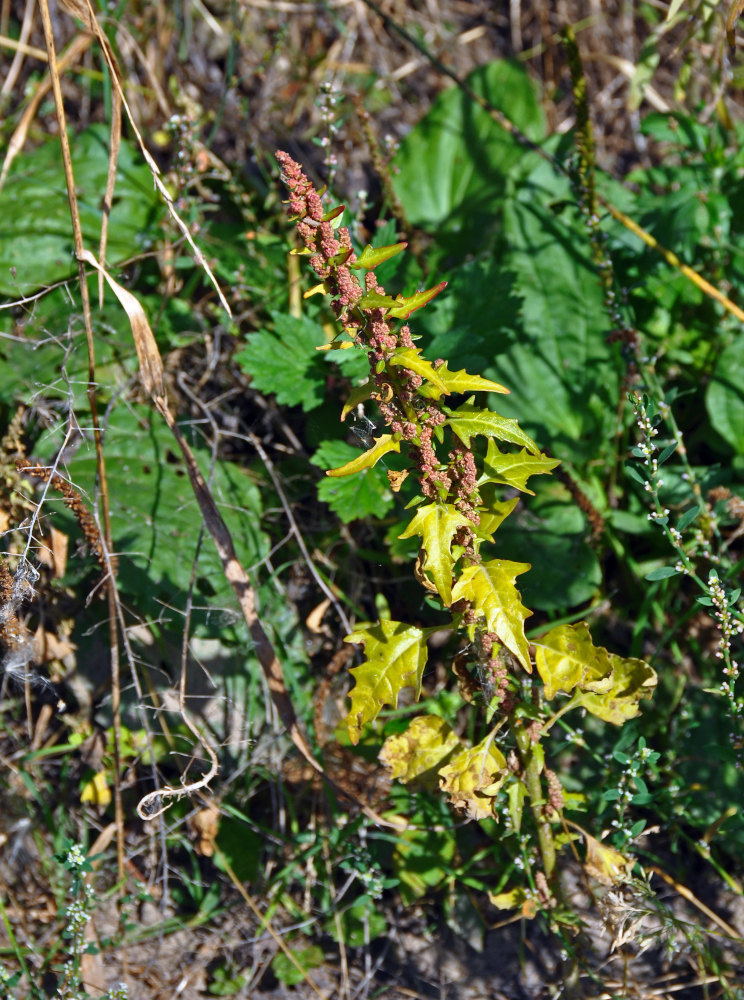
[
  {"x": 733, "y": 16},
  {"x": 90, "y": 19},
  {"x": 17, "y": 141},
  {"x": 148, "y": 355}
]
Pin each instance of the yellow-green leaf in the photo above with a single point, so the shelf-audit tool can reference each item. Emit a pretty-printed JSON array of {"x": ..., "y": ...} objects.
[
  {"x": 371, "y": 257},
  {"x": 608, "y": 686},
  {"x": 416, "y": 753},
  {"x": 473, "y": 778},
  {"x": 436, "y": 524},
  {"x": 396, "y": 656},
  {"x": 630, "y": 680},
  {"x": 468, "y": 421},
  {"x": 369, "y": 458},
  {"x": 406, "y": 304},
  {"x": 489, "y": 586},
  {"x": 491, "y": 518},
  {"x": 360, "y": 394},
  {"x": 410, "y": 357},
  {"x": 514, "y": 469},
  {"x": 96, "y": 791},
  {"x": 460, "y": 382},
  {"x": 567, "y": 658}
]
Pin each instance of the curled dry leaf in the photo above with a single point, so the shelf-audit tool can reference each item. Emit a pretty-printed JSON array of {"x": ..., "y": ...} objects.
[{"x": 150, "y": 362}]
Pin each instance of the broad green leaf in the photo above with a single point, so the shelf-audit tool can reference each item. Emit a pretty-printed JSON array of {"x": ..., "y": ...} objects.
[
  {"x": 473, "y": 778},
  {"x": 365, "y": 494},
  {"x": 566, "y": 657},
  {"x": 395, "y": 658},
  {"x": 155, "y": 518},
  {"x": 283, "y": 361},
  {"x": 436, "y": 523},
  {"x": 288, "y": 973},
  {"x": 368, "y": 459},
  {"x": 460, "y": 382},
  {"x": 35, "y": 236},
  {"x": 631, "y": 680},
  {"x": 514, "y": 469},
  {"x": 407, "y": 357},
  {"x": 420, "y": 750},
  {"x": 468, "y": 421},
  {"x": 452, "y": 167},
  {"x": 725, "y": 396},
  {"x": 489, "y": 586}
]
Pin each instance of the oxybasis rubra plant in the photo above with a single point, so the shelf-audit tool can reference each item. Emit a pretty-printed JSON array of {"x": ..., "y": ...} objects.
[{"x": 457, "y": 510}]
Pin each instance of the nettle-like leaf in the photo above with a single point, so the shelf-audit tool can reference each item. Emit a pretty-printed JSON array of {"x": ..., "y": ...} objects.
[
  {"x": 283, "y": 361},
  {"x": 396, "y": 656},
  {"x": 460, "y": 382},
  {"x": 473, "y": 778},
  {"x": 607, "y": 685},
  {"x": 368, "y": 459},
  {"x": 468, "y": 421},
  {"x": 437, "y": 523},
  {"x": 366, "y": 494},
  {"x": 512, "y": 469},
  {"x": 489, "y": 586},
  {"x": 417, "y": 753}
]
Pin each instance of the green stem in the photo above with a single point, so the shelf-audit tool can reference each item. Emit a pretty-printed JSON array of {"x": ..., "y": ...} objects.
[{"x": 531, "y": 768}]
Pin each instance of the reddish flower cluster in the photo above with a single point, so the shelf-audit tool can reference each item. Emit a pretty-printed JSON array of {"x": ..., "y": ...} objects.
[{"x": 401, "y": 406}]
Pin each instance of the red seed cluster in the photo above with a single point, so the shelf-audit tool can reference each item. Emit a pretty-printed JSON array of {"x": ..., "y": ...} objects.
[{"x": 397, "y": 388}]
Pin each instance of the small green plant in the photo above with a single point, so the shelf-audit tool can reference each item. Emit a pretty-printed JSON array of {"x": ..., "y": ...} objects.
[
  {"x": 458, "y": 501},
  {"x": 76, "y": 915}
]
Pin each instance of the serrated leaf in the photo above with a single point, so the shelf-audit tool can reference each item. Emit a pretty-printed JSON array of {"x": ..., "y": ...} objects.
[
  {"x": 419, "y": 751},
  {"x": 371, "y": 257},
  {"x": 366, "y": 494},
  {"x": 489, "y": 586},
  {"x": 461, "y": 382},
  {"x": 407, "y": 304},
  {"x": 514, "y": 469},
  {"x": 395, "y": 658},
  {"x": 367, "y": 459},
  {"x": 284, "y": 362},
  {"x": 630, "y": 680},
  {"x": 566, "y": 658},
  {"x": 473, "y": 778},
  {"x": 469, "y": 421},
  {"x": 436, "y": 524},
  {"x": 410, "y": 357},
  {"x": 491, "y": 518}
]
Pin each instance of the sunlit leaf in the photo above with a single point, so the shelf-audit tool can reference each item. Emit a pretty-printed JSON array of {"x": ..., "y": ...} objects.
[
  {"x": 469, "y": 421},
  {"x": 512, "y": 469},
  {"x": 436, "y": 523},
  {"x": 489, "y": 586},
  {"x": 473, "y": 778},
  {"x": 395, "y": 658},
  {"x": 368, "y": 459},
  {"x": 418, "y": 752}
]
